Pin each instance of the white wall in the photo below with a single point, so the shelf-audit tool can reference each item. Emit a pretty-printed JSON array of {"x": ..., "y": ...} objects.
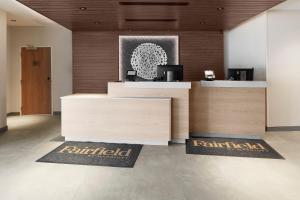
[
  {"x": 60, "y": 41},
  {"x": 3, "y": 58},
  {"x": 283, "y": 69},
  {"x": 245, "y": 46},
  {"x": 271, "y": 43}
]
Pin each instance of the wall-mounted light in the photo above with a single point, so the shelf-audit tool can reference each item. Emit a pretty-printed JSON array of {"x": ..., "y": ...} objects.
[{"x": 83, "y": 8}]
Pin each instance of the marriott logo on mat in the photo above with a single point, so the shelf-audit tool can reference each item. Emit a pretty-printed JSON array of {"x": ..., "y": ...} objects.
[
  {"x": 230, "y": 145},
  {"x": 101, "y": 151}
]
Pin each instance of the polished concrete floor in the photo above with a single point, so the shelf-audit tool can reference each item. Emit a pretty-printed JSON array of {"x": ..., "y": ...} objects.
[{"x": 160, "y": 173}]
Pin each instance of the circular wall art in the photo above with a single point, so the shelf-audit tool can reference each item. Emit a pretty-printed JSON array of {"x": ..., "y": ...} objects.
[{"x": 145, "y": 59}]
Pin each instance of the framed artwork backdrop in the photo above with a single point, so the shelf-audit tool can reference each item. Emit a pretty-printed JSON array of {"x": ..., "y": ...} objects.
[{"x": 144, "y": 53}]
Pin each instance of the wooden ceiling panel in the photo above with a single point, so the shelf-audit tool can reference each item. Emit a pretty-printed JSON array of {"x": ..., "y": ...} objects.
[{"x": 189, "y": 15}]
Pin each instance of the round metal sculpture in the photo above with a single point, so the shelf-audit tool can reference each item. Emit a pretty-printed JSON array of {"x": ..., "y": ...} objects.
[{"x": 145, "y": 59}]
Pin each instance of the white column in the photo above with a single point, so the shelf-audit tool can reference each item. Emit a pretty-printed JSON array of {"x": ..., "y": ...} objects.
[
  {"x": 3, "y": 62},
  {"x": 283, "y": 71}
]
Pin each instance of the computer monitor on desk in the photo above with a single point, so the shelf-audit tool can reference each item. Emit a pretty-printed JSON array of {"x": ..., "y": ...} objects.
[
  {"x": 240, "y": 74},
  {"x": 169, "y": 73}
]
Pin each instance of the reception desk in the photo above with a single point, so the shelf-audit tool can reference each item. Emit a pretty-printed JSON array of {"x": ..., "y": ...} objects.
[
  {"x": 177, "y": 91},
  {"x": 100, "y": 118},
  {"x": 228, "y": 109},
  {"x": 159, "y": 112}
]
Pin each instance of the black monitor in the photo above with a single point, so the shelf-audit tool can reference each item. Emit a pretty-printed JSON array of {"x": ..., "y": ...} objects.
[
  {"x": 176, "y": 70},
  {"x": 241, "y": 74}
]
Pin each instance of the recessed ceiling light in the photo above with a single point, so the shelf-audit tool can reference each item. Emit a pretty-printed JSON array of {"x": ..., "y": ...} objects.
[
  {"x": 220, "y": 8},
  {"x": 13, "y": 20},
  {"x": 83, "y": 8}
]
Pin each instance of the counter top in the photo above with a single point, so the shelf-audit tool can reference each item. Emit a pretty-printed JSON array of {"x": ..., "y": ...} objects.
[
  {"x": 169, "y": 85},
  {"x": 102, "y": 96},
  {"x": 84, "y": 96},
  {"x": 232, "y": 84}
]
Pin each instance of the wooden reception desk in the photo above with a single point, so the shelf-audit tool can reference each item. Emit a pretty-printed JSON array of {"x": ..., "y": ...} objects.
[
  {"x": 228, "y": 108},
  {"x": 100, "y": 118},
  {"x": 158, "y": 112},
  {"x": 178, "y": 91}
]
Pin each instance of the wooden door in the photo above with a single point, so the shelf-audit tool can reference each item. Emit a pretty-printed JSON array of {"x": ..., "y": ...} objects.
[{"x": 36, "y": 80}]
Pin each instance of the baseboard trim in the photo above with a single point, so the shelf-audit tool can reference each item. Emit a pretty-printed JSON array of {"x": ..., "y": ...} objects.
[
  {"x": 283, "y": 128},
  {"x": 88, "y": 139},
  {"x": 178, "y": 141},
  {"x": 13, "y": 114},
  {"x": 57, "y": 113},
  {"x": 219, "y": 135},
  {"x": 3, "y": 129}
]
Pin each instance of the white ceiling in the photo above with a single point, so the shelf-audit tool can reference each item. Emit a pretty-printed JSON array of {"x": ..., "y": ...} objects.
[
  {"x": 288, "y": 5},
  {"x": 23, "y": 15}
]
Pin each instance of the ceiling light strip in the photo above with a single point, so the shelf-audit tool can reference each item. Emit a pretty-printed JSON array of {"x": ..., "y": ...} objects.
[
  {"x": 154, "y": 3},
  {"x": 151, "y": 20}
]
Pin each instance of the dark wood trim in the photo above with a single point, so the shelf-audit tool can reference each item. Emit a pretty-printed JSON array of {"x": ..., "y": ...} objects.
[
  {"x": 283, "y": 128},
  {"x": 4, "y": 129}
]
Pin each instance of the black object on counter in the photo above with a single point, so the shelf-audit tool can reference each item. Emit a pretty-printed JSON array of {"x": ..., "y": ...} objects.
[
  {"x": 175, "y": 72},
  {"x": 240, "y": 74}
]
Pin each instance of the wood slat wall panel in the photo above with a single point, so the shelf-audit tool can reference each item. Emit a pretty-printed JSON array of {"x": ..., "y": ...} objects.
[
  {"x": 95, "y": 60},
  {"x": 96, "y": 57},
  {"x": 197, "y": 15}
]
